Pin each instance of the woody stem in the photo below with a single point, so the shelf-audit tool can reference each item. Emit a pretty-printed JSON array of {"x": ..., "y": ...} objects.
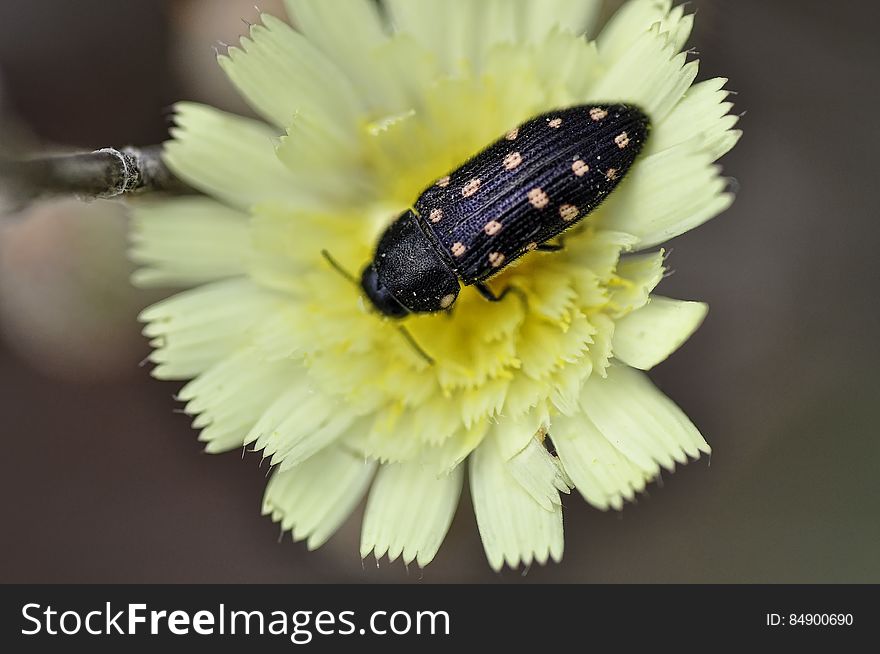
[{"x": 105, "y": 173}]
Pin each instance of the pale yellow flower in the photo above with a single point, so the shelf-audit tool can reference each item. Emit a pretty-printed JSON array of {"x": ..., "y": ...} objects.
[{"x": 287, "y": 358}]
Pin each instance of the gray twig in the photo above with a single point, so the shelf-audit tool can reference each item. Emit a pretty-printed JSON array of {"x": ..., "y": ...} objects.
[{"x": 105, "y": 173}]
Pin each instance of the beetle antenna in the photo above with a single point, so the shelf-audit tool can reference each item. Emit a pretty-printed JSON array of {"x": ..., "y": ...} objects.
[
  {"x": 403, "y": 330},
  {"x": 338, "y": 268},
  {"x": 418, "y": 348}
]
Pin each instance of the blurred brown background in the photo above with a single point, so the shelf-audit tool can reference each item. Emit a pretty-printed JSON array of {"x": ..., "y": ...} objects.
[{"x": 101, "y": 481}]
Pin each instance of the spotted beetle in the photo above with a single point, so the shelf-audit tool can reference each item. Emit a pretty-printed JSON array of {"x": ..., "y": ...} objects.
[{"x": 532, "y": 184}]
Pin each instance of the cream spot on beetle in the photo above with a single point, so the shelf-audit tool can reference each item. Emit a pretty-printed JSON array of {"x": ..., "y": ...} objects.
[
  {"x": 512, "y": 134},
  {"x": 492, "y": 227},
  {"x": 436, "y": 215},
  {"x": 611, "y": 173},
  {"x": 496, "y": 259},
  {"x": 580, "y": 168},
  {"x": 598, "y": 113},
  {"x": 471, "y": 187},
  {"x": 538, "y": 198},
  {"x": 531, "y": 247},
  {"x": 446, "y": 301},
  {"x": 458, "y": 249},
  {"x": 556, "y": 122},
  {"x": 443, "y": 181},
  {"x": 512, "y": 160},
  {"x": 568, "y": 212},
  {"x": 622, "y": 140}
]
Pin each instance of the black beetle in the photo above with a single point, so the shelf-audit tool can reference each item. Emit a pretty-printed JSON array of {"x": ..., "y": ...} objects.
[{"x": 533, "y": 183}]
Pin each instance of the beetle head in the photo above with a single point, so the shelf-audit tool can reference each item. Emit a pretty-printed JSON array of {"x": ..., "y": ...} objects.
[
  {"x": 407, "y": 274},
  {"x": 380, "y": 296}
]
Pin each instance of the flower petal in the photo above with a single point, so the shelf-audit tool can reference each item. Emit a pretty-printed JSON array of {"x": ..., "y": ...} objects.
[
  {"x": 702, "y": 113},
  {"x": 514, "y": 527},
  {"x": 667, "y": 194},
  {"x": 637, "y": 276},
  {"x": 652, "y": 74},
  {"x": 228, "y": 157},
  {"x": 351, "y": 44},
  {"x": 639, "y": 421},
  {"x": 196, "y": 329},
  {"x": 230, "y": 397},
  {"x": 513, "y": 434},
  {"x": 314, "y": 498},
  {"x": 644, "y": 338},
  {"x": 300, "y": 422},
  {"x": 409, "y": 512},
  {"x": 541, "y": 17},
  {"x": 677, "y": 25},
  {"x": 449, "y": 28},
  {"x": 462, "y": 32},
  {"x": 187, "y": 241},
  {"x": 597, "y": 251},
  {"x": 345, "y": 41},
  {"x": 545, "y": 347},
  {"x": 600, "y": 348},
  {"x": 539, "y": 474},
  {"x": 411, "y": 66},
  {"x": 566, "y": 382},
  {"x": 390, "y": 438},
  {"x": 317, "y": 158},
  {"x": 636, "y": 17},
  {"x": 442, "y": 458},
  {"x": 280, "y": 72},
  {"x": 289, "y": 245},
  {"x": 600, "y": 472},
  {"x": 567, "y": 66}
]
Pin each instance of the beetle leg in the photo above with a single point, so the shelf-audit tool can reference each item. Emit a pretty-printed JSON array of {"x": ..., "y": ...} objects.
[
  {"x": 549, "y": 247},
  {"x": 487, "y": 292}
]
